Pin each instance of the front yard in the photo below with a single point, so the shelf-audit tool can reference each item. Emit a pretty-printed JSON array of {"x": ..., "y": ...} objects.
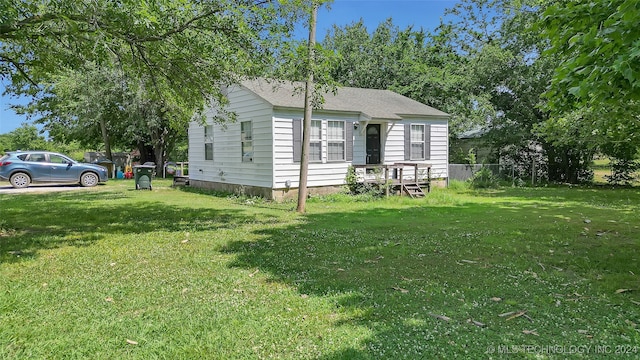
[{"x": 176, "y": 273}]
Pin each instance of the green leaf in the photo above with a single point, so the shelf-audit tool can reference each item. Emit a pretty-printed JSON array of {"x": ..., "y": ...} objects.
[{"x": 575, "y": 91}]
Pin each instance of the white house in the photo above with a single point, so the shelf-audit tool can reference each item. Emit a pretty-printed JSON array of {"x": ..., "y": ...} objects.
[{"x": 259, "y": 154}]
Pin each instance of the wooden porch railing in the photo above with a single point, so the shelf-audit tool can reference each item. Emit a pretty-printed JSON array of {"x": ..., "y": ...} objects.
[{"x": 394, "y": 174}]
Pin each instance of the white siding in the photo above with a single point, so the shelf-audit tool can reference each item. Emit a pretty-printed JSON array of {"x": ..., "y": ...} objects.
[
  {"x": 320, "y": 174},
  {"x": 227, "y": 166},
  {"x": 273, "y": 164},
  {"x": 439, "y": 149},
  {"x": 196, "y": 149},
  {"x": 393, "y": 149},
  {"x": 393, "y": 144}
]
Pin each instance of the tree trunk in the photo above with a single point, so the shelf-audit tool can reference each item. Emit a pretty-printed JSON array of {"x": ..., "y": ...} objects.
[
  {"x": 306, "y": 126},
  {"x": 159, "y": 140},
  {"x": 106, "y": 139},
  {"x": 159, "y": 150},
  {"x": 146, "y": 153}
]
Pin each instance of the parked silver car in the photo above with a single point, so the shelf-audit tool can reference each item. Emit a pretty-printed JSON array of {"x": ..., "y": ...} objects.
[{"x": 21, "y": 168}]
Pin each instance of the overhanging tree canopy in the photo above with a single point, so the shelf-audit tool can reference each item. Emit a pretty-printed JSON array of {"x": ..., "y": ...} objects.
[
  {"x": 599, "y": 44},
  {"x": 597, "y": 81},
  {"x": 178, "y": 52}
]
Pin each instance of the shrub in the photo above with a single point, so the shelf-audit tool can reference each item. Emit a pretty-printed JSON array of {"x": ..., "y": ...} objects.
[
  {"x": 622, "y": 172},
  {"x": 374, "y": 189},
  {"x": 483, "y": 179},
  {"x": 351, "y": 179}
]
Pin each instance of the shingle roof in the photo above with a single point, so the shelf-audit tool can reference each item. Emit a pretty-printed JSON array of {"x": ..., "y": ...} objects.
[{"x": 376, "y": 104}]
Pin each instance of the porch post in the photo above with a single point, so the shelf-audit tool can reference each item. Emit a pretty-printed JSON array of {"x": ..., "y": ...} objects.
[
  {"x": 401, "y": 179},
  {"x": 386, "y": 180}
]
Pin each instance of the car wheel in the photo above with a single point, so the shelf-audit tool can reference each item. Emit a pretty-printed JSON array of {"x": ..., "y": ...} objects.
[
  {"x": 89, "y": 179},
  {"x": 20, "y": 180}
]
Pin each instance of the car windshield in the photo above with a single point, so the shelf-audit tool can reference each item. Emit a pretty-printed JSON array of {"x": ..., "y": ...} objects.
[{"x": 4, "y": 157}]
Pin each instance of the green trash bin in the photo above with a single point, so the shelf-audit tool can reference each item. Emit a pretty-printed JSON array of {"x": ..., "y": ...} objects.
[{"x": 142, "y": 175}]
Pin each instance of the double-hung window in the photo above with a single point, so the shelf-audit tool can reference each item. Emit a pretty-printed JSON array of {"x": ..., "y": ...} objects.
[
  {"x": 315, "y": 141},
  {"x": 336, "y": 140},
  {"x": 208, "y": 142},
  {"x": 329, "y": 140},
  {"x": 417, "y": 141},
  {"x": 246, "y": 139}
]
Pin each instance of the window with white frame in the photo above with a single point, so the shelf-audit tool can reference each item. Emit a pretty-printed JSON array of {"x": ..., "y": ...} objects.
[
  {"x": 330, "y": 140},
  {"x": 246, "y": 140},
  {"x": 336, "y": 140},
  {"x": 315, "y": 141},
  {"x": 417, "y": 142},
  {"x": 208, "y": 142}
]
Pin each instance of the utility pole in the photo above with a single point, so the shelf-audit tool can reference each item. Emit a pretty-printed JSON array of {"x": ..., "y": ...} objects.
[{"x": 306, "y": 122}]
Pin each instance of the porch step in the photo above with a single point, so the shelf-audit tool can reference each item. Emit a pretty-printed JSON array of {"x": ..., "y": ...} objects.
[{"x": 413, "y": 190}]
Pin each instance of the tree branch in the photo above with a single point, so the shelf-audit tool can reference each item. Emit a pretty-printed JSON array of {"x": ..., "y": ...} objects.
[
  {"x": 178, "y": 29},
  {"x": 31, "y": 21},
  {"x": 19, "y": 67}
]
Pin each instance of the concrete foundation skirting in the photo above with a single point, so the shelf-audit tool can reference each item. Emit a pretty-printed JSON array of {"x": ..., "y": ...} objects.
[
  {"x": 269, "y": 194},
  {"x": 276, "y": 194},
  {"x": 292, "y": 194},
  {"x": 232, "y": 188}
]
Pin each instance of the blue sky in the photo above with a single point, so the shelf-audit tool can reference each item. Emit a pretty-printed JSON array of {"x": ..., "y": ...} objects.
[{"x": 418, "y": 13}]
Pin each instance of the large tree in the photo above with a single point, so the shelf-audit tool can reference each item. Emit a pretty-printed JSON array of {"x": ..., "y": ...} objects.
[
  {"x": 96, "y": 105},
  {"x": 507, "y": 62},
  {"x": 597, "y": 81},
  {"x": 26, "y": 137},
  {"x": 408, "y": 61},
  {"x": 174, "y": 55},
  {"x": 599, "y": 44},
  {"x": 486, "y": 66},
  {"x": 170, "y": 38}
]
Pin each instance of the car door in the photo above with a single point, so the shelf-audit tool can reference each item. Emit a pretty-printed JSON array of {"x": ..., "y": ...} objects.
[
  {"x": 37, "y": 165},
  {"x": 62, "y": 169}
]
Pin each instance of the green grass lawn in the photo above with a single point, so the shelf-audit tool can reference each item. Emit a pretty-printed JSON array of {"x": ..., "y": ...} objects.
[
  {"x": 113, "y": 273},
  {"x": 602, "y": 169}
]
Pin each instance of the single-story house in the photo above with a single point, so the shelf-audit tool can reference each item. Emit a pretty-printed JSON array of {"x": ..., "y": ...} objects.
[
  {"x": 259, "y": 154},
  {"x": 473, "y": 140}
]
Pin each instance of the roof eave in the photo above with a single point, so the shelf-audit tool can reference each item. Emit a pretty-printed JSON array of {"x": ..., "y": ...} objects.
[
  {"x": 351, "y": 112},
  {"x": 442, "y": 116}
]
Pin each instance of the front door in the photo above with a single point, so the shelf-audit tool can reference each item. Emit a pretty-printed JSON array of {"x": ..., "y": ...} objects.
[{"x": 373, "y": 144}]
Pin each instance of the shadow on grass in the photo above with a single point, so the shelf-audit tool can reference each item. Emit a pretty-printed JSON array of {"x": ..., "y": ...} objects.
[
  {"x": 394, "y": 269},
  {"x": 590, "y": 196},
  {"x": 397, "y": 270},
  {"x": 32, "y": 222}
]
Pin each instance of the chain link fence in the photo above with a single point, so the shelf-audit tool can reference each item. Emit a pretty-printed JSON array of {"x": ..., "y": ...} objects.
[
  {"x": 533, "y": 173},
  {"x": 463, "y": 172}
]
